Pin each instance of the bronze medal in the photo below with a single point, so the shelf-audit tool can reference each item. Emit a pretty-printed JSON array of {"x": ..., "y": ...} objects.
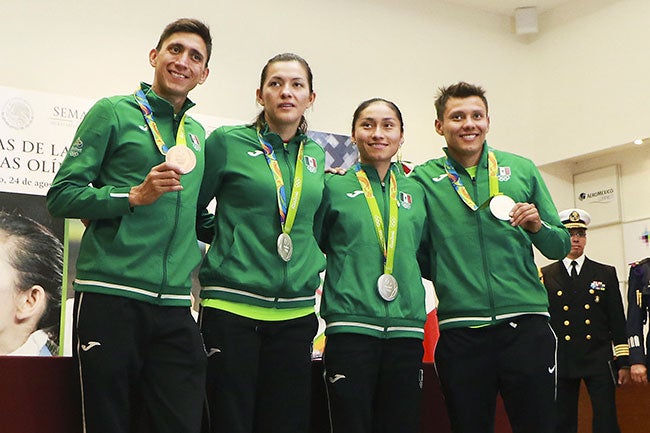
[{"x": 183, "y": 157}]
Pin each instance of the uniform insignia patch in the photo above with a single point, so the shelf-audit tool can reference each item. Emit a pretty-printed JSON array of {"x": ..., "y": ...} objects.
[
  {"x": 504, "y": 174},
  {"x": 405, "y": 200},
  {"x": 77, "y": 147},
  {"x": 597, "y": 285},
  {"x": 196, "y": 143},
  {"x": 310, "y": 163}
]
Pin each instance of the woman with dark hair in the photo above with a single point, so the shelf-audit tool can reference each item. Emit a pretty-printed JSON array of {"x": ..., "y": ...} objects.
[
  {"x": 371, "y": 224},
  {"x": 31, "y": 265},
  {"x": 261, "y": 271}
]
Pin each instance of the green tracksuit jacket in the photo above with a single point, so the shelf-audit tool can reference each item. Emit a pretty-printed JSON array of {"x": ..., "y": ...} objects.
[
  {"x": 147, "y": 252},
  {"x": 351, "y": 302},
  {"x": 483, "y": 268},
  {"x": 242, "y": 264}
]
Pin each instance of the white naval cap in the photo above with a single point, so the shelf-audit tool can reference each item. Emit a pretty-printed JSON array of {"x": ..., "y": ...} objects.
[{"x": 575, "y": 218}]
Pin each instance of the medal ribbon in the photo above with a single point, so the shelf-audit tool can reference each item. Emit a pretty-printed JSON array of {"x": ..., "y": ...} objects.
[
  {"x": 388, "y": 248},
  {"x": 287, "y": 212},
  {"x": 493, "y": 182},
  {"x": 147, "y": 112}
]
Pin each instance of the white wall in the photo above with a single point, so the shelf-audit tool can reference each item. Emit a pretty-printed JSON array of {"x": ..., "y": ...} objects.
[
  {"x": 357, "y": 49},
  {"x": 606, "y": 244},
  {"x": 577, "y": 86},
  {"x": 591, "y": 78}
]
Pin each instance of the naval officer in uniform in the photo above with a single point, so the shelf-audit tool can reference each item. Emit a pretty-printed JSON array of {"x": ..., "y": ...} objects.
[
  {"x": 638, "y": 303},
  {"x": 587, "y": 316}
]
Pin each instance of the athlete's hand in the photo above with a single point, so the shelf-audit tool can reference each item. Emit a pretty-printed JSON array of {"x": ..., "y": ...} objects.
[
  {"x": 336, "y": 170},
  {"x": 162, "y": 178},
  {"x": 526, "y": 216}
]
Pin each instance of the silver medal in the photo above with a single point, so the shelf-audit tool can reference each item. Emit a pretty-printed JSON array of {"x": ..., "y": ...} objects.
[
  {"x": 500, "y": 206},
  {"x": 285, "y": 247},
  {"x": 387, "y": 287},
  {"x": 183, "y": 157}
]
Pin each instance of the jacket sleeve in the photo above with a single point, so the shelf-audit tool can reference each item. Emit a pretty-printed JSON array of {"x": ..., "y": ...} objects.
[
  {"x": 616, "y": 318},
  {"x": 424, "y": 252},
  {"x": 636, "y": 312},
  {"x": 321, "y": 217},
  {"x": 74, "y": 192},
  {"x": 216, "y": 156},
  {"x": 553, "y": 239}
]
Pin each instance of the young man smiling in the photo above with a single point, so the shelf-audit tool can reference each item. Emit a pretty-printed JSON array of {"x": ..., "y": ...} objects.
[
  {"x": 487, "y": 209},
  {"x": 133, "y": 175}
]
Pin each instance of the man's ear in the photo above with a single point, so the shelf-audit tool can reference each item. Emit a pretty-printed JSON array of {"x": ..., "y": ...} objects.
[
  {"x": 438, "y": 124},
  {"x": 153, "y": 55},
  {"x": 204, "y": 75},
  {"x": 31, "y": 303}
]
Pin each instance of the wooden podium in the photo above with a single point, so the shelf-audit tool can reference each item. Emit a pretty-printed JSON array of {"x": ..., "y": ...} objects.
[{"x": 39, "y": 394}]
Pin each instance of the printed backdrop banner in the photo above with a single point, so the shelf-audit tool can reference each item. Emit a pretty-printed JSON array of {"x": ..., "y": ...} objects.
[{"x": 35, "y": 131}]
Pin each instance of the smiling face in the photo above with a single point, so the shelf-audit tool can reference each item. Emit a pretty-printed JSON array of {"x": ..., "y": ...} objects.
[
  {"x": 464, "y": 124},
  {"x": 180, "y": 65},
  {"x": 378, "y": 134},
  {"x": 285, "y": 95}
]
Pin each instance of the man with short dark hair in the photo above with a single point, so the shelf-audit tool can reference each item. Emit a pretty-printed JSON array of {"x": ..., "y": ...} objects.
[
  {"x": 133, "y": 175},
  {"x": 587, "y": 316},
  {"x": 487, "y": 209}
]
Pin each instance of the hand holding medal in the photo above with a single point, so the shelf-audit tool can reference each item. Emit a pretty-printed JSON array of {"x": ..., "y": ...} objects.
[
  {"x": 526, "y": 216},
  {"x": 501, "y": 206},
  {"x": 161, "y": 179}
]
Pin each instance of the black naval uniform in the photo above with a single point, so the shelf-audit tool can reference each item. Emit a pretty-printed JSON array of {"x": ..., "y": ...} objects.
[
  {"x": 587, "y": 316},
  {"x": 638, "y": 301}
]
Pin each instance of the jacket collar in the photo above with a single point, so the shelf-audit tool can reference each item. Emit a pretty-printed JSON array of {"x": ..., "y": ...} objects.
[
  {"x": 163, "y": 106},
  {"x": 483, "y": 161},
  {"x": 276, "y": 140}
]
